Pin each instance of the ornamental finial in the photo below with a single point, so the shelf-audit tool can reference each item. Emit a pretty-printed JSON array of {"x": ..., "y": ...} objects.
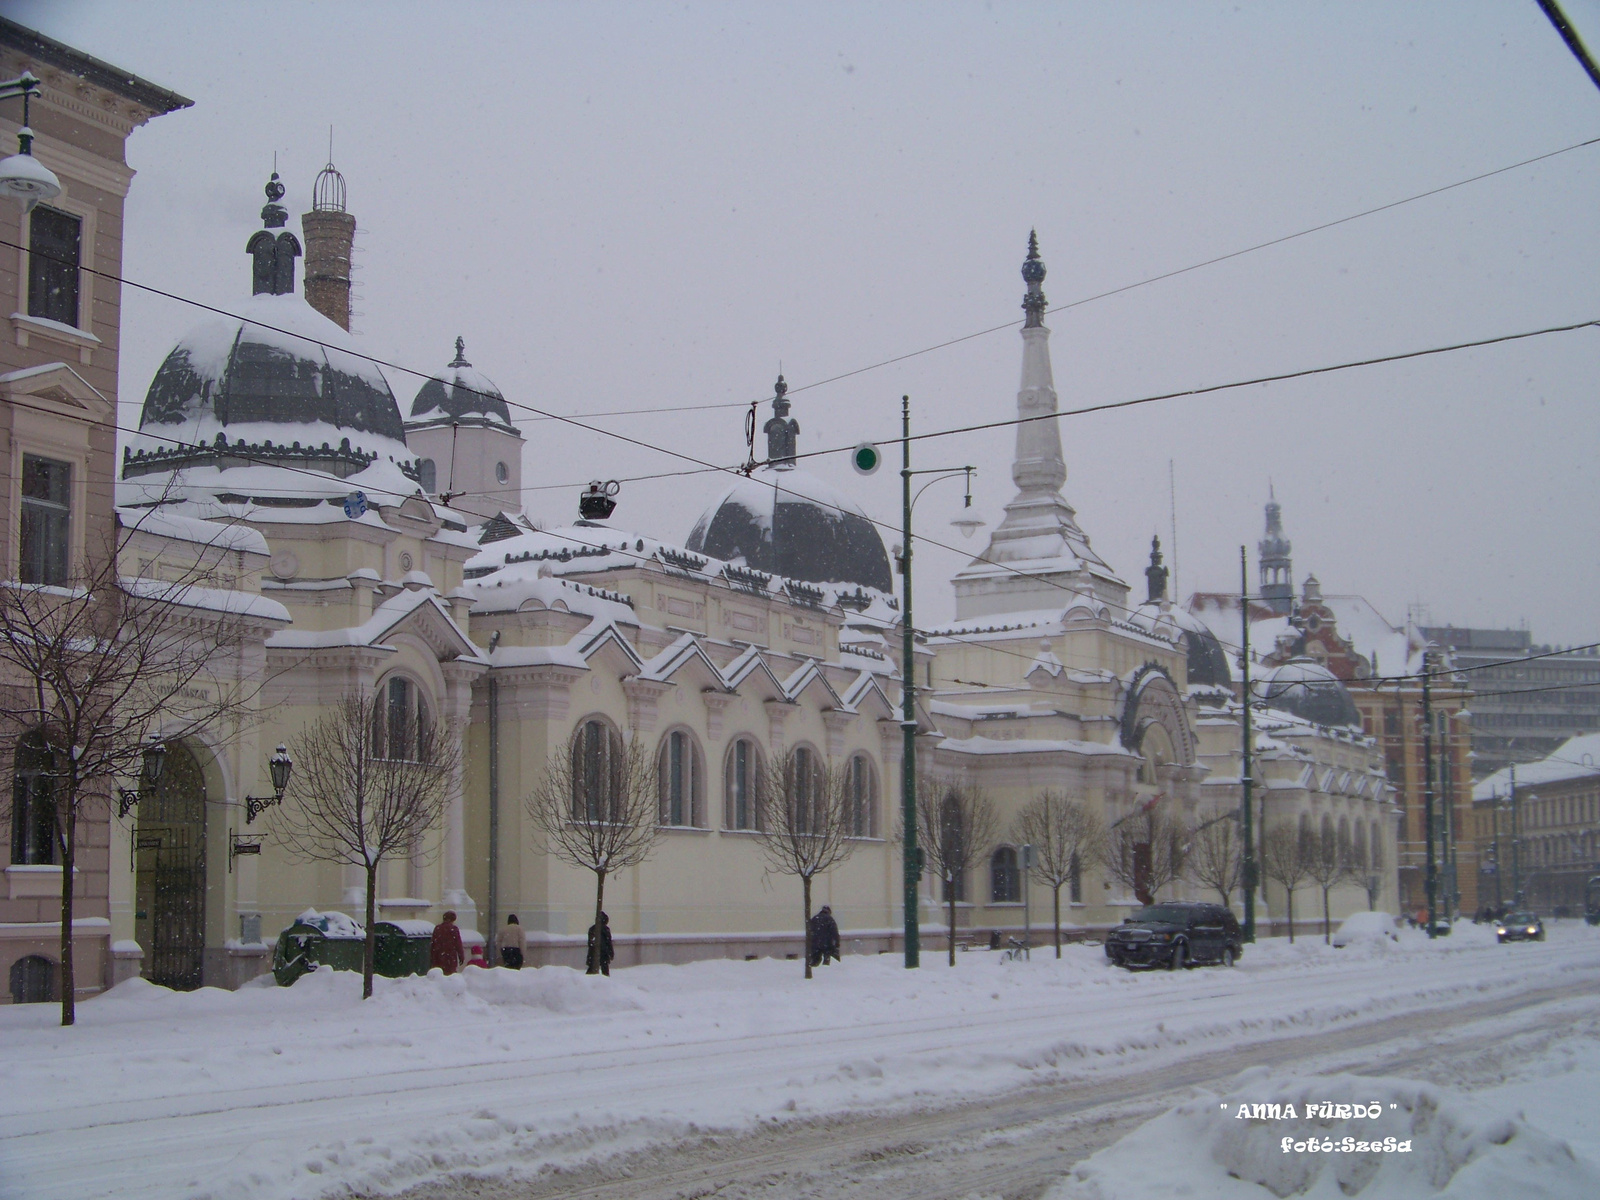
[
  {"x": 781, "y": 429},
  {"x": 273, "y": 214},
  {"x": 461, "y": 353},
  {"x": 1033, "y": 275}
]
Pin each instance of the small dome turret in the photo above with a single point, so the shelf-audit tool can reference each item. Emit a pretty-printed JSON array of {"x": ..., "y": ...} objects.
[
  {"x": 461, "y": 394},
  {"x": 1305, "y": 688}
]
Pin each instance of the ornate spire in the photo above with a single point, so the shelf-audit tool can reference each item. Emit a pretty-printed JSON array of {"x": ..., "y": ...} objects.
[
  {"x": 273, "y": 247},
  {"x": 461, "y": 353},
  {"x": 1156, "y": 574},
  {"x": 1033, "y": 275},
  {"x": 1277, "y": 577}
]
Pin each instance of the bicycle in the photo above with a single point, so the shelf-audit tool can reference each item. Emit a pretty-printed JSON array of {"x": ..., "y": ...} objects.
[{"x": 1014, "y": 950}]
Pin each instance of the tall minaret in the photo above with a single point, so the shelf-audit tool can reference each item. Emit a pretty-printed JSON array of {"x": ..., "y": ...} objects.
[
  {"x": 1277, "y": 578},
  {"x": 1038, "y": 556},
  {"x": 330, "y": 239}
]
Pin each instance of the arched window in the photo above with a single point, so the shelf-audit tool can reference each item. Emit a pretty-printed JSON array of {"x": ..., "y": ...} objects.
[
  {"x": 33, "y": 980},
  {"x": 1005, "y": 881},
  {"x": 399, "y": 720},
  {"x": 428, "y": 475},
  {"x": 1374, "y": 849},
  {"x": 33, "y": 811},
  {"x": 802, "y": 788},
  {"x": 597, "y": 764},
  {"x": 1075, "y": 879},
  {"x": 742, "y": 786},
  {"x": 862, "y": 782},
  {"x": 953, "y": 849},
  {"x": 682, "y": 786}
]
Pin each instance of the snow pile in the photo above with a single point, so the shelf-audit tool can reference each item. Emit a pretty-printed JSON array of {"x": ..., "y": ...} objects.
[
  {"x": 1426, "y": 1141},
  {"x": 475, "y": 989},
  {"x": 1364, "y": 927}
]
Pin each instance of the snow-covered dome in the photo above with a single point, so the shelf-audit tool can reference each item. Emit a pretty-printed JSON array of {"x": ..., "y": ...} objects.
[
  {"x": 459, "y": 393},
  {"x": 277, "y": 385},
  {"x": 1307, "y": 689},
  {"x": 788, "y": 522}
]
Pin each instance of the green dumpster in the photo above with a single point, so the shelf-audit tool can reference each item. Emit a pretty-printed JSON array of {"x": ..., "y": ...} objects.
[
  {"x": 402, "y": 947},
  {"x": 315, "y": 940}
]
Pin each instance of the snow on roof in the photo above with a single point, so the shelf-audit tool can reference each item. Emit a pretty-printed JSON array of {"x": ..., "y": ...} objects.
[
  {"x": 1576, "y": 758},
  {"x": 222, "y": 535},
  {"x": 222, "y": 600},
  {"x": 986, "y": 745},
  {"x": 370, "y": 632}
]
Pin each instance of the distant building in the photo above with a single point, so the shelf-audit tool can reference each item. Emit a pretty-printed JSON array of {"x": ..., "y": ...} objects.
[
  {"x": 1525, "y": 707},
  {"x": 1538, "y": 829}
]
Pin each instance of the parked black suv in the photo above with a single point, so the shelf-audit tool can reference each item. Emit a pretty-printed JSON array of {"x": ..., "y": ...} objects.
[{"x": 1177, "y": 933}]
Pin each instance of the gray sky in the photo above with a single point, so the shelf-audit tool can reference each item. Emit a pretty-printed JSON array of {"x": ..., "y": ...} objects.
[{"x": 649, "y": 206}]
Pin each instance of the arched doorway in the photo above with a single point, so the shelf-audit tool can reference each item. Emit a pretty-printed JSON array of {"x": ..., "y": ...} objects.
[
  {"x": 33, "y": 980},
  {"x": 170, "y": 892}
]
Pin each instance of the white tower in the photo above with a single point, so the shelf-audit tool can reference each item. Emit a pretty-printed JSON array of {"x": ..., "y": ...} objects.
[
  {"x": 1037, "y": 556},
  {"x": 470, "y": 454}
]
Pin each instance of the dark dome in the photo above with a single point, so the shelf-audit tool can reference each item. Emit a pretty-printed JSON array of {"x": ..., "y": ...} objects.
[
  {"x": 1308, "y": 690},
  {"x": 460, "y": 393},
  {"x": 1208, "y": 662},
  {"x": 285, "y": 366},
  {"x": 788, "y": 522}
]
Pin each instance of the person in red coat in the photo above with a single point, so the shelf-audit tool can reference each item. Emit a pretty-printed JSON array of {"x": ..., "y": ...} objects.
[{"x": 446, "y": 952}]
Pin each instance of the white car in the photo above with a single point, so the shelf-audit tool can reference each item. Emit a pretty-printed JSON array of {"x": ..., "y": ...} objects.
[{"x": 1367, "y": 927}]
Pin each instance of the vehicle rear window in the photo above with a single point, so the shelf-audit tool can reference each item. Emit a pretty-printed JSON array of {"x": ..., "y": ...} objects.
[{"x": 1169, "y": 915}]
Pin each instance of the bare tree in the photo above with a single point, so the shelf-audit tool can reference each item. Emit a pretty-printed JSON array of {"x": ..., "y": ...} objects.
[
  {"x": 1328, "y": 865},
  {"x": 956, "y": 827},
  {"x": 806, "y": 822},
  {"x": 598, "y": 807},
  {"x": 1064, "y": 835},
  {"x": 1285, "y": 860},
  {"x": 95, "y": 666},
  {"x": 1372, "y": 873},
  {"x": 369, "y": 784},
  {"x": 1145, "y": 852},
  {"x": 1215, "y": 856}
]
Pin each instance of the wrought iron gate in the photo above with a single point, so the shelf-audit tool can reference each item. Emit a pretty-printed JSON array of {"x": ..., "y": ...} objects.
[{"x": 170, "y": 848}]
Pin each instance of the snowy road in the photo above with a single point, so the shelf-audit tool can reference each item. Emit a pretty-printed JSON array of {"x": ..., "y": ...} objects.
[
  {"x": 302, "y": 1092},
  {"x": 1017, "y": 1144}
]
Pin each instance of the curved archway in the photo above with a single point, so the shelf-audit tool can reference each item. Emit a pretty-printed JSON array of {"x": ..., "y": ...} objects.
[
  {"x": 170, "y": 873},
  {"x": 34, "y": 980},
  {"x": 681, "y": 773}
]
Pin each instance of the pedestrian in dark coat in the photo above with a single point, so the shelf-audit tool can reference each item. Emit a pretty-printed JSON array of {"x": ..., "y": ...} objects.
[
  {"x": 824, "y": 937},
  {"x": 446, "y": 951},
  {"x": 511, "y": 942},
  {"x": 606, "y": 951}
]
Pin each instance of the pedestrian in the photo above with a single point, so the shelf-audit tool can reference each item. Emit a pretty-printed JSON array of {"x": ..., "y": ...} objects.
[
  {"x": 601, "y": 961},
  {"x": 511, "y": 942},
  {"x": 446, "y": 951},
  {"x": 824, "y": 937}
]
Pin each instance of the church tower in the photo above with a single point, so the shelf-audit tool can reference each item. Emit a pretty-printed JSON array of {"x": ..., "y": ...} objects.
[
  {"x": 469, "y": 452},
  {"x": 1038, "y": 556},
  {"x": 1277, "y": 579},
  {"x": 330, "y": 238}
]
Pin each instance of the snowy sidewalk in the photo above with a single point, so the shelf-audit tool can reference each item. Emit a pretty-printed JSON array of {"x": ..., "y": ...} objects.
[{"x": 305, "y": 1091}]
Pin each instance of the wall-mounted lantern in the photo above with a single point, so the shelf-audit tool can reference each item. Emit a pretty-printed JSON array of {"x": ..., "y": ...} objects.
[{"x": 280, "y": 765}]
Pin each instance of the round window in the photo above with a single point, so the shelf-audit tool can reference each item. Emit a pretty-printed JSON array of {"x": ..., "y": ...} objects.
[{"x": 502, "y": 472}]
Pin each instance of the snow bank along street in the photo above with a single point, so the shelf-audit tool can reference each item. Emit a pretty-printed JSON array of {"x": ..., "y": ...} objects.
[{"x": 306, "y": 1091}]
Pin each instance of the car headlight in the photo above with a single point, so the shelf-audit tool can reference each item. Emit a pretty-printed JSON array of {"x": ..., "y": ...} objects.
[
  {"x": 1499, "y": 928},
  {"x": 1533, "y": 929}
]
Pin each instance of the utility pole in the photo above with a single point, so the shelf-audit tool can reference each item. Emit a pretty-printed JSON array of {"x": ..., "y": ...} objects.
[
  {"x": 911, "y": 863},
  {"x": 1247, "y": 837},
  {"x": 1516, "y": 844},
  {"x": 1431, "y": 876}
]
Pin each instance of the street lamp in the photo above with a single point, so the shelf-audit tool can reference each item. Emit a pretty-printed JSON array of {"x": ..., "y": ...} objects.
[
  {"x": 911, "y": 863},
  {"x": 279, "y": 765},
  {"x": 23, "y": 177},
  {"x": 155, "y": 756}
]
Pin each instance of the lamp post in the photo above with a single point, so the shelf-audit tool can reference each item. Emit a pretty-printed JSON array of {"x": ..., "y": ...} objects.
[
  {"x": 23, "y": 177},
  {"x": 155, "y": 757},
  {"x": 279, "y": 766},
  {"x": 911, "y": 864}
]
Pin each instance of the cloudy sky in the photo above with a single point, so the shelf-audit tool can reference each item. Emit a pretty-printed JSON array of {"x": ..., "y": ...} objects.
[{"x": 652, "y": 206}]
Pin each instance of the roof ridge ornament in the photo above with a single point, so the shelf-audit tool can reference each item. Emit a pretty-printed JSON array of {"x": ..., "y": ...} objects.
[
  {"x": 1033, "y": 272},
  {"x": 461, "y": 353},
  {"x": 273, "y": 247},
  {"x": 781, "y": 429}
]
